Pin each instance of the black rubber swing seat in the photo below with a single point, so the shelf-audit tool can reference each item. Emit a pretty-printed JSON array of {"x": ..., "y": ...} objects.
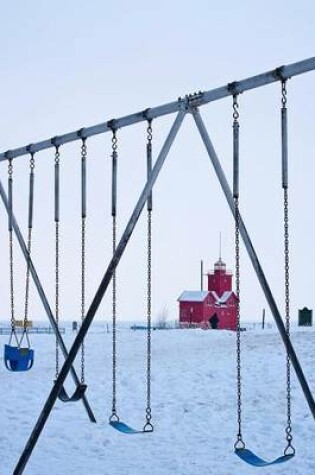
[
  {"x": 125, "y": 429},
  {"x": 249, "y": 457},
  {"x": 76, "y": 396}
]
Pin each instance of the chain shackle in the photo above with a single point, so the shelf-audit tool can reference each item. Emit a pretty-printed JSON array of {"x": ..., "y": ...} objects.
[
  {"x": 284, "y": 93},
  {"x": 149, "y": 131},
  {"x": 114, "y": 141},
  {"x": 236, "y": 114}
]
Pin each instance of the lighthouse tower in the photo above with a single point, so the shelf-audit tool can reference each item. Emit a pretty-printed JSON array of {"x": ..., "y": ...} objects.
[{"x": 220, "y": 280}]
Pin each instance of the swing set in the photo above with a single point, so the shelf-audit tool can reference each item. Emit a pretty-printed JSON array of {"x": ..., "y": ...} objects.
[{"x": 21, "y": 358}]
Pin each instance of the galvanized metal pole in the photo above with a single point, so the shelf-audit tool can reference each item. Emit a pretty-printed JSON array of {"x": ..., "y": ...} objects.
[
  {"x": 43, "y": 298},
  {"x": 197, "y": 99},
  {"x": 255, "y": 262},
  {"x": 98, "y": 296}
]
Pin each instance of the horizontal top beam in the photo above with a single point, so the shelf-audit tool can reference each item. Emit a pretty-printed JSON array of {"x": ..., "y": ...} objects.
[{"x": 197, "y": 99}]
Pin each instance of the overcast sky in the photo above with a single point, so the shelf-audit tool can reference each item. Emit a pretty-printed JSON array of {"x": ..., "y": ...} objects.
[{"x": 69, "y": 64}]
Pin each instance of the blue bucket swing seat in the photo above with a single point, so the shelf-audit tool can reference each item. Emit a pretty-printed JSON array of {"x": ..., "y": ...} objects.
[{"x": 17, "y": 358}]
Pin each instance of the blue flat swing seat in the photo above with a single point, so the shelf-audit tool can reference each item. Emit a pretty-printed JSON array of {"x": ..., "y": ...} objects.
[
  {"x": 249, "y": 457},
  {"x": 18, "y": 359},
  {"x": 125, "y": 429}
]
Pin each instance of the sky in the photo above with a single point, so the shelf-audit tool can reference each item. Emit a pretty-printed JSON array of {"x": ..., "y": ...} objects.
[{"x": 71, "y": 64}]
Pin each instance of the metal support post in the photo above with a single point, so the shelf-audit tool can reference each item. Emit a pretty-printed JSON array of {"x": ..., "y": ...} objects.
[
  {"x": 43, "y": 298},
  {"x": 255, "y": 262},
  {"x": 99, "y": 295}
]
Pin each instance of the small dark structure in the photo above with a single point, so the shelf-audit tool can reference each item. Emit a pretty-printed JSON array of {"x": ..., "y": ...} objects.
[
  {"x": 74, "y": 326},
  {"x": 305, "y": 317},
  {"x": 214, "y": 320}
]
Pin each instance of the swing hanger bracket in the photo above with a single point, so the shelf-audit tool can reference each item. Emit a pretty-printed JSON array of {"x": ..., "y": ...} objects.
[
  {"x": 234, "y": 88},
  {"x": 54, "y": 141},
  {"x": 8, "y": 154},
  {"x": 146, "y": 115},
  {"x": 81, "y": 134},
  {"x": 29, "y": 149},
  {"x": 280, "y": 75},
  {"x": 111, "y": 124}
]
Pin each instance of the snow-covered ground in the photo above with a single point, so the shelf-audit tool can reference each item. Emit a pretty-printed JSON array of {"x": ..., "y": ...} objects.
[{"x": 194, "y": 406}]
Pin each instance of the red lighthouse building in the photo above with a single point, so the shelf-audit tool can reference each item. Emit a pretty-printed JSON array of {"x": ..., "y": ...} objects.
[{"x": 215, "y": 308}]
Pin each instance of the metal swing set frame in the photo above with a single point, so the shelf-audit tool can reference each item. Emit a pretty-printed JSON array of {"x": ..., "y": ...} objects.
[{"x": 189, "y": 104}]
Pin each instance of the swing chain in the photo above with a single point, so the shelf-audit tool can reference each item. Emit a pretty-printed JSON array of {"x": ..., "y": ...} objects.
[
  {"x": 288, "y": 430},
  {"x": 29, "y": 248},
  {"x": 57, "y": 161},
  {"x": 83, "y": 240},
  {"x": 239, "y": 444},
  {"x": 114, "y": 417},
  {"x": 289, "y": 448},
  {"x": 10, "y": 185},
  {"x": 148, "y": 426}
]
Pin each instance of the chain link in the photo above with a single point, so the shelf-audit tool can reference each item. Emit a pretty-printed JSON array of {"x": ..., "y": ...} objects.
[{"x": 57, "y": 161}]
